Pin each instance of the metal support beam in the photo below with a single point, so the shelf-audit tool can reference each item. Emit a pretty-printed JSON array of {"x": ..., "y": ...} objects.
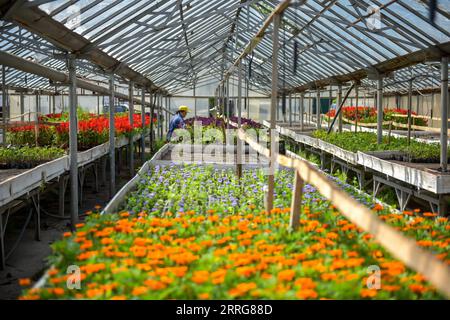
[
  {"x": 319, "y": 124},
  {"x": 4, "y": 103},
  {"x": 290, "y": 110},
  {"x": 302, "y": 111},
  {"x": 239, "y": 107},
  {"x": 73, "y": 143},
  {"x": 195, "y": 103},
  {"x": 22, "y": 106},
  {"x": 444, "y": 114},
  {"x": 152, "y": 116},
  {"x": 409, "y": 109},
  {"x": 338, "y": 103},
  {"x": 380, "y": 110},
  {"x": 131, "y": 116},
  {"x": 357, "y": 103},
  {"x": 143, "y": 125},
  {"x": 112, "y": 156},
  {"x": 274, "y": 104}
]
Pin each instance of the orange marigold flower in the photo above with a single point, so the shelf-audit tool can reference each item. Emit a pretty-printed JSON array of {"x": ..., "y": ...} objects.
[
  {"x": 328, "y": 276},
  {"x": 24, "y": 282},
  {"x": 429, "y": 214},
  {"x": 91, "y": 293},
  {"x": 139, "y": 291},
  {"x": 52, "y": 272},
  {"x": 390, "y": 288},
  {"x": 425, "y": 243},
  {"x": 140, "y": 242},
  {"x": 86, "y": 245},
  {"x": 417, "y": 288},
  {"x": 305, "y": 283},
  {"x": 378, "y": 207},
  {"x": 79, "y": 225},
  {"x": 203, "y": 296},
  {"x": 306, "y": 294},
  {"x": 106, "y": 241},
  {"x": 58, "y": 291},
  {"x": 200, "y": 277},
  {"x": 286, "y": 275},
  {"x": 245, "y": 271},
  {"x": 67, "y": 234},
  {"x": 368, "y": 293},
  {"x": 154, "y": 285},
  {"x": 119, "y": 298}
]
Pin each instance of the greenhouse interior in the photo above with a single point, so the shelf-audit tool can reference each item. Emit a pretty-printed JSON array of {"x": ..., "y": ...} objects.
[{"x": 257, "y": 149}]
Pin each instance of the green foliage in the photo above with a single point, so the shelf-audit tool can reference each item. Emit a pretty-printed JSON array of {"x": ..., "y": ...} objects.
[
  {"x": 27, "y": 157},
  {"x": 367, "y": 142}
]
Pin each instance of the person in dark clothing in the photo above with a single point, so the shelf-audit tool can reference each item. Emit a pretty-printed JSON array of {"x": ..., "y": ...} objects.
[{"x": 177, "y": 122}]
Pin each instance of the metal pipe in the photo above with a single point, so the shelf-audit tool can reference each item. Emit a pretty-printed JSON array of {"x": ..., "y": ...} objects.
[
  {"x": 338, "y": 104},
  {"x": 380, "y": 110},
  {"x": 22, "y": 106},
  {"x": 227, "y": 101},
  {"x": 112, "y": 149},
  {"x": 444, "y": 114},
  {"x": 274, "y": 104},
  {"x": 195, "y": 104},
  {"x": 54, "y": 103},
  {"x": 357, "y": 102},
  {"x": 152, "y": 111},
  {"x": 319, "y": 124},
  {"x": 73, "y": 144},
  {"x": 131, "y": 116},
  {"x": 409, "y": 110},
  {"x": 4, "y": 99},
  {"x": 290, "y": 110},
  {"x": 302, "y": 111},
  {"x": 143, "y": 125},
  {"x": 239, "y": 107}
]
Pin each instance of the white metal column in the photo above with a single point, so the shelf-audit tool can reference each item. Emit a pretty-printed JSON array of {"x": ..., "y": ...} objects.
[
  {"x": 143, "y": 125},
  {"x": 112, "y": 149},
  {"x": 73, "y": 143},
  {"x": 444, "y": 114},
  {"x": 131, "y": 116},
  {"x": 380, "y": 110},
  {"x": 319, "y": 124},
  {"x": 273, "y": 109}
]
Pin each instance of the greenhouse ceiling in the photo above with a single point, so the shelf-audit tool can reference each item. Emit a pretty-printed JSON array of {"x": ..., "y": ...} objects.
[{"x": 176, "y": 44}]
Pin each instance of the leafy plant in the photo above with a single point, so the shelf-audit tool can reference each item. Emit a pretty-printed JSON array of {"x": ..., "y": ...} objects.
[
  {"x": 27, "y": 157},
  {"x": 195, "y": 232}
]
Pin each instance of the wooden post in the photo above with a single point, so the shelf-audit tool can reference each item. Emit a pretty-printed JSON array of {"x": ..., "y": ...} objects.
[{"x": 297, "y": 195}]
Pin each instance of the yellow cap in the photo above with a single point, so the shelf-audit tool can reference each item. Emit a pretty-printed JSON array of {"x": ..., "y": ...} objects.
[{"x": 183, "y": 108}]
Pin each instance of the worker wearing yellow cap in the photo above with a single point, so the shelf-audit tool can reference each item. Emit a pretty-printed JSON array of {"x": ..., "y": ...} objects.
[{"x": 177, "y": 122}]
